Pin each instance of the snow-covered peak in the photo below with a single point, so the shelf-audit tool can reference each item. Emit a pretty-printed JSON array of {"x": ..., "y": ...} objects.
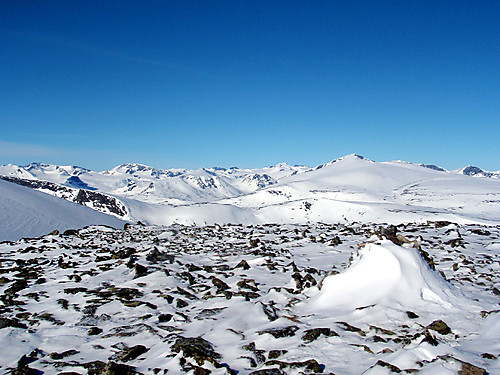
[
  {"x": 351, "y": 158},
  {"x": 474, "y": 171}
]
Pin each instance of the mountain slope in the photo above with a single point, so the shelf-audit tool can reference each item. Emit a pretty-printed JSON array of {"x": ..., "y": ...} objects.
[
  {"x": 28, "y": 213},
  {"x": 350, "y": 188}
]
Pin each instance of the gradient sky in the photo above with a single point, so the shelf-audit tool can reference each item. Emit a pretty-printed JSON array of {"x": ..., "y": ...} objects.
[{"x": 192, "y": 84}]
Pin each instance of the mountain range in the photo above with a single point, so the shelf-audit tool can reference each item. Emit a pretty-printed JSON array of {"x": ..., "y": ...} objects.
[{"x": 351, "y": 188}]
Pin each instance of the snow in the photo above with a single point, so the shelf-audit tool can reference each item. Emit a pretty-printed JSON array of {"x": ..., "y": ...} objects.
[
  {"x": 28, "y": 213},
  {"x": 350, "y": 188},
  {"x": 384, "y": 274},
  {"x": 364, "y": 305}
]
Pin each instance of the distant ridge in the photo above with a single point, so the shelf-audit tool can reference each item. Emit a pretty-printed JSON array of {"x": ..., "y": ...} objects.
[{"x": 351, "y": 188}]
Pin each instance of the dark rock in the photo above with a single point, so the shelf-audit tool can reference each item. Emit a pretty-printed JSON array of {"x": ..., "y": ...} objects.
[
  {"x": 441, "y": 224},
  {"x": 254, "y": 243},
  {"x": 270, "y": 311},
  {"x": 280, "y": 332},
  {"x": 55, "y": 355},
  {"x": 113, "y": 368},
  {"x": 123, "y": 253},
  {"x": 309, "y": 365},
  {"x": 469, "y": 369},
  {"x": 335, "y": 241},
  {"x": 351, "y": 328},
  {"x": 489, "y": 356},
  {"x": 197, "y": 348},
  {"x": 430, "y": 339},
  {"x": 140, "y": 271},
  {"x": 312, "y": 334},
  {"x": 14, "y": 323},
  {"x": 388, "y": 365},
  {"x": 156, "y": 256},
  {"x": 181, "y": 303},
  {"x": 221, "y": 285},
  {"x": 127, "y": 293},
  {"x": 70, "y": 232},
  {"x": 440, "y": 327},
  {"x": 163, "y": 318},
  {"x": 95, "y": 367},
  {"x": 94, "y": 331},
  {"x": 243, "y": 264},
  {"x": 132, "y": 353},
  {"x": 269, "y": 371},
  {"x": 273, "y": 354}
]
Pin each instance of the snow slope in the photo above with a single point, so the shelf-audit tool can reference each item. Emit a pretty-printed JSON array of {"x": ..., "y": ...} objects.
[
  {"x": 25, "y": 212},
  {"x": 350, "y": 188}
]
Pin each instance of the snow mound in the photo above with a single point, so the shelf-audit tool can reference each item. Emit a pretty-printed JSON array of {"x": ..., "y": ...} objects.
[
  {"x": 384, "y": 274},
  {"x": 25, "y": 212}
]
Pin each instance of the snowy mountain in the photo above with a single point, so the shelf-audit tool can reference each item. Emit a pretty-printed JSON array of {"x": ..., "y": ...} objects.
[
  {"x": 478, "y": 172},
  {"x": 350, "y": 188},
  {"x": 28, "y": 213}
]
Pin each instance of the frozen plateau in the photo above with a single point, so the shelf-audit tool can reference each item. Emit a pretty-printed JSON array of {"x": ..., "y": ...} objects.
[{"x": 350, "y": 267}]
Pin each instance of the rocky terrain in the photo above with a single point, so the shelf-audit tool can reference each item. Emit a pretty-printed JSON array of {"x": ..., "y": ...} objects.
[{"x": 346, "y": 298}]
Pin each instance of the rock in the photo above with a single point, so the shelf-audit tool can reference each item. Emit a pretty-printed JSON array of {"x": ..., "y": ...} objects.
[
  {"x": 55, "y": 355},
  {"x": 243, "y": 264},
  {"x": 14, "y": 323},
  {"x": 197, "y": 348},
  {"x": 309, "y": 365},
  {"x": 131, "y": 353},
  {"x": 351, "y": 328},
  {"x": 70, "y": 232},
  {"x": 469, "y": 369},
  {"x": 269, "y": 371},
  {"x": 430, "y": 339},
  {"x": 440, "y": 327},
  {"x": 335, "y": 241},
  {"x": 156, "y": 256},
  {"x": 254, "y": 243},
  {"x": 489, "y": 356},
  {"x": 164, "y": 318},
  {"x": 270, "y": 311},
  {"x": 388, "y": 365},
  {"x": 95, "y": 367},
  {"x": 312, "y": 334},
  {"x": 140, "y": 271},
  {"x": 113, "y": 368},
  {"x": 280, "y": 332},
  {"x": 221, "y": 285},
  {"x": 94, "y": 331},
  {"x": 273, "y": 354}
]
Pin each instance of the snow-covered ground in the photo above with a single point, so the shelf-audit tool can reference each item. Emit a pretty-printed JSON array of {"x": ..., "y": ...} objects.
[
  {"x": 347, "y": 189},
  {"x": 25, "y": 212},
  {"x": 262, "y": 299}
]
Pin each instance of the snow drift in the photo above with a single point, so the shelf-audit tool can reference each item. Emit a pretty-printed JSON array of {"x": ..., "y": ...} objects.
[
  {"x": 384, "y": 274},
  {"x": 25, "y": 212}
]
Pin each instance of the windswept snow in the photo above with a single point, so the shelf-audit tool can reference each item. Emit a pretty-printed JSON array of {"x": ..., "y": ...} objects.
[
  {"x": 25, "y": 212},
  {"x": 385, "y": 274}
]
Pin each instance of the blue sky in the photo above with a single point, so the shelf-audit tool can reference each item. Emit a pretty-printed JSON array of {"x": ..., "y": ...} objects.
[{"x": 249, "y": 83}]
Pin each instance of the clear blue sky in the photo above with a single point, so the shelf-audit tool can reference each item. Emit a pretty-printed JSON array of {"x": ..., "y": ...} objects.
[{"x": 249, "y": 83}]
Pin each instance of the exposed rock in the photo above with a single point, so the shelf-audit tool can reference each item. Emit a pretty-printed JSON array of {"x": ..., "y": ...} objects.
[
  {"x": 94, "y": 331},
  {"x": 440, "y": 327},
  {"x": 280, "y": 332},
  {"x": 113, "y": 368},
  {"x": 312, "y": 334},
  {"x": 469, "y": 369},
  {"x": 197, "y": 348}
]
